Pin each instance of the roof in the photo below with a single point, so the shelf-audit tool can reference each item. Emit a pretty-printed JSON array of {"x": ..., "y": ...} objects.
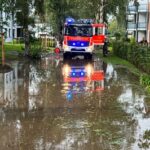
[{"x": 78, "y": 24}]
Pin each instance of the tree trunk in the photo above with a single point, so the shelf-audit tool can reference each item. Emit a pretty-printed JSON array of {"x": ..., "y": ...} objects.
[
  {"x": 1, "y": 21},
  {"x": 101, "y": 19},
  {"x": 100, "y": 12},
  {"x": 26, "y": 42},
  {"x": 12, "y": 24}
]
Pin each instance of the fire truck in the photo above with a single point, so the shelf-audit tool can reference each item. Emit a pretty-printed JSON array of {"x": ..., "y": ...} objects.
[{"x": 80, "y": 37}]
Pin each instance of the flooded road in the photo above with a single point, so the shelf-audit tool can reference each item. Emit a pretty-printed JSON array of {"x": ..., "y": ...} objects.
[{"x": 75, "y": 105}]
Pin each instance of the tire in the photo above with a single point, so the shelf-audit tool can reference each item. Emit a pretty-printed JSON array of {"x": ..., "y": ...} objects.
[
  {"x": 88, "y": 56},
  {"x": 66, "y": 56}
]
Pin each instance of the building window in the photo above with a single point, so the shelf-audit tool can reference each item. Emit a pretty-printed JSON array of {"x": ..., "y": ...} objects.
[
  {"x": 19, "y": 32},
  {"x": 13, "y": 33},
  {"x": 9, "y": 32}
]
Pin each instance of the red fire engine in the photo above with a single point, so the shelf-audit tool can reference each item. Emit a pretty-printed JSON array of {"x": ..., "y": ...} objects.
[{"x": 80, "y": 37}]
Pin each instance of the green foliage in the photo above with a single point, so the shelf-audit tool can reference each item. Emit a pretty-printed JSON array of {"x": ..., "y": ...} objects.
[
  {"x": 18, "y": 41},
  {"x": 91, "y": 9},
  {"x": 58, "y": 11},
  {"x": 13, "y": 47},
  {"x": 136, "y": 54},
  {"x": 132, "y": 40},
  {"x": 113, "y": 26},
  {"x": 144, "y": 142},
  {"x": 145, "y": 80},
  {"x": 35, "y": 49},
  {"x": 117, "y": 35},
  {"x": 12, "y": 50},
  {"x": 121, "y": 49},
  {"x": 100, "y": 132},
  {"x": 35, "y": 52}
]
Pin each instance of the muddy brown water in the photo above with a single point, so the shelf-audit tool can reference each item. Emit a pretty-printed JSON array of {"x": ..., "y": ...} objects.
[{"x": 74, "y": 105}]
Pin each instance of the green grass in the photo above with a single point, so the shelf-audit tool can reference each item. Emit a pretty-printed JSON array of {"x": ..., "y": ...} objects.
[
  {"x": 9, "y": 47},
  {"x": 51, "y": 49},
  {"x": 14, "y": 47}
]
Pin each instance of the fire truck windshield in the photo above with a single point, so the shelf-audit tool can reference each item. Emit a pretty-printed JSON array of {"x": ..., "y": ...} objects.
[{"x": 78, "y": 30}]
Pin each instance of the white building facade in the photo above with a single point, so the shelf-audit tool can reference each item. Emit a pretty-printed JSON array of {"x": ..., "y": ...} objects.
[
  {"x": 138, "y": 24},
  {"x": 10, "y": 27}
]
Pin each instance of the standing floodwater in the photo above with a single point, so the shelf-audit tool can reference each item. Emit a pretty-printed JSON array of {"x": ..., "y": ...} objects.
[{"x": 73, "y": 105}]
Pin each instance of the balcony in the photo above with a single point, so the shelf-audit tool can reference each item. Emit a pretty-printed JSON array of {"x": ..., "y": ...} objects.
[
  {"x": 131, "y": 9},
  {"x": 142, "y": 25},
  {"x": 142, "y": 8},
  {"x": 131, "y": 26},
  {"x": 130, "y": 18},
  {"x": 138, "y": 26}
]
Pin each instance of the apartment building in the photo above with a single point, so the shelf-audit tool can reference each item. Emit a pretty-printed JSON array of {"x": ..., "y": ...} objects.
[
  {"x": 13, "y": 31},
  {"x": 138, "y": 22},
  {"x": 10, "y": 27}
]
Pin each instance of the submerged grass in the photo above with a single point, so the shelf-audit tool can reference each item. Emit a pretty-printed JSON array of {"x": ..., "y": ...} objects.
[
  {"x": 144, "y": 78},
  {"x": 121, "y": 62}
]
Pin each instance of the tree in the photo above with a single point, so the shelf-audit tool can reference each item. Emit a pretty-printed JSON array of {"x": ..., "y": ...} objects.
[
  {"x": 10, "y": 8},
  {"x": 24, "y": 19},
  {"x": 26, "y": 9},
  {"x": 58, "y": 11},
  {"x": 100, "y": 9},
  {"x": 1, "y": 16},
  {"x": 96, "y": 9},
  {"x": 2, "y": 9}
]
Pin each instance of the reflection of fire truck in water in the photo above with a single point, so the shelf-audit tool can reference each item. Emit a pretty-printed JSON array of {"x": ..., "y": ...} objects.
[
  {"x": 81, "y": 36},
  {"x": 82, "y": 78}
]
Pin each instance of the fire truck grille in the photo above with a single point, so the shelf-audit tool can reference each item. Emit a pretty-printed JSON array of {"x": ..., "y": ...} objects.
[{"x": 78, "y": 50}]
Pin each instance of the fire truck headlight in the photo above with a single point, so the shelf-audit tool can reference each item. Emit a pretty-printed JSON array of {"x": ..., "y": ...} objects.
[
  {"x": 66, "y": 48},
  {"x": 66, "y": 70},
  {"x": 90, "y": 48}
]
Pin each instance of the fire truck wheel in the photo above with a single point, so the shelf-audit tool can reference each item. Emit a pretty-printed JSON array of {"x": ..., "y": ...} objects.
[
  {"x": 66, "y": 56},
  {"x": 88, "y": 56}
]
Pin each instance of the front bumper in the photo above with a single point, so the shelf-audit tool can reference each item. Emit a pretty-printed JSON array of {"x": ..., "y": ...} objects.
[{"x": 74, "y": 49}]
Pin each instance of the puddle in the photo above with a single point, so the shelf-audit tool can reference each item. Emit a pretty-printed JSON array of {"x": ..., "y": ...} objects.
[{"x": 51, "y": 104}]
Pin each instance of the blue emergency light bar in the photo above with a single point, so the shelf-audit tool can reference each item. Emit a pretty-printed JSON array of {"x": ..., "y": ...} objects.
[
  {"x": 70, "y": 21},
  {"x": 85, "y": 21}
]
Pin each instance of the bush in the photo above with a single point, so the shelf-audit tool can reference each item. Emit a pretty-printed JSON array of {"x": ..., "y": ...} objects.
[
  {"x": 35, "y": 49},
  {"x": 137, "y": 54},
  {"x": 121, "y": 49},
  {"x": 117, "y": 35},
  {"x": 145, "y": 80},
  {"x": 132, "y": 41},
  {"x": 0, "y": 41}
]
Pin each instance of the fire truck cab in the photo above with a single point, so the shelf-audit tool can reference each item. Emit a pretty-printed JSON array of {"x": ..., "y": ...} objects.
[{"x": 80, "y": 37}]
